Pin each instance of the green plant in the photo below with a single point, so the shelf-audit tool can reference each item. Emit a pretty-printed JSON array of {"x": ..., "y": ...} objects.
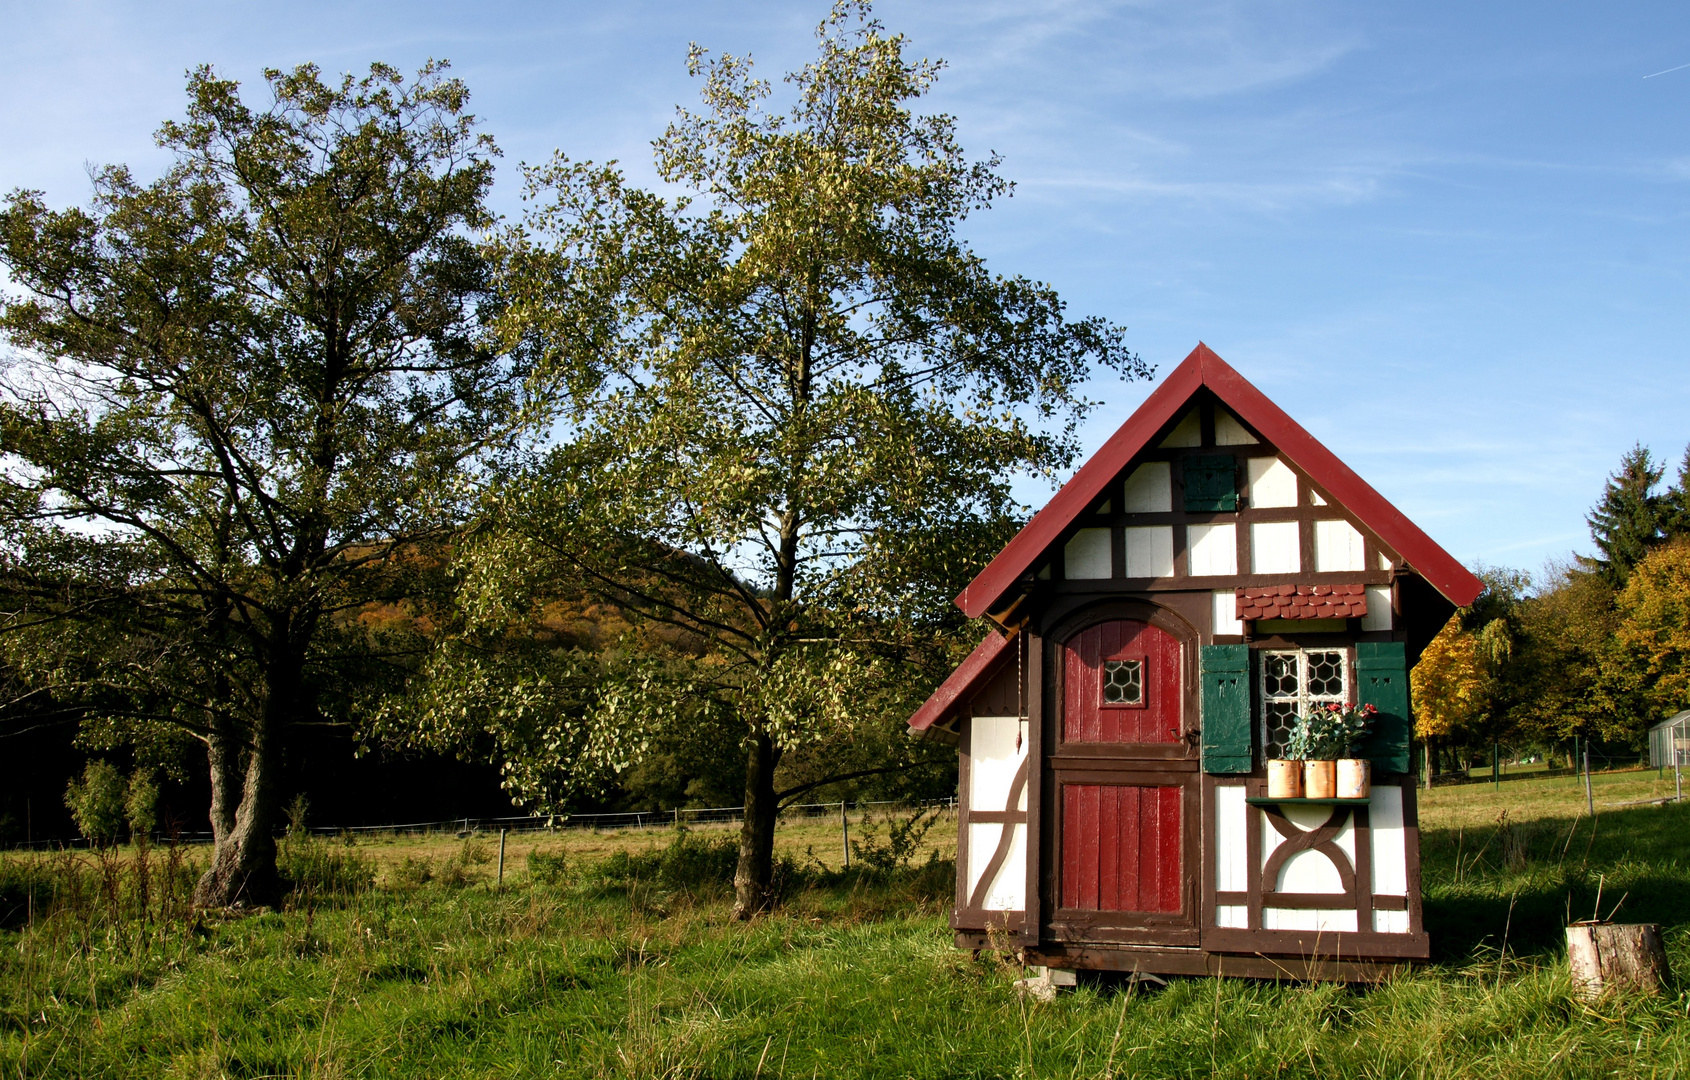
[
  {"x": 96, "y": 801},
  {"x": 548, "y": 868},
  {"x": 903, "y": 838},
  {"x": 140, "y": 805},
  {"x": 412, "y": 872},
  {"x": 1329, "y": 731},
  {"x": 321, "y": 868}
]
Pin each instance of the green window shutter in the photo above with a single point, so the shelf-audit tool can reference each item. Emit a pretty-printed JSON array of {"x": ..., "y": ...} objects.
[
  {"x": 1227, "y": 742},
  {"x": 1211, "y": 484},
  {"x": 1382, "y": 671}
]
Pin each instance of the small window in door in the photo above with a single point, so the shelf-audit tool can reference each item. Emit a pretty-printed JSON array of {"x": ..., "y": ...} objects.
[{"x": 1123, "y": 683}]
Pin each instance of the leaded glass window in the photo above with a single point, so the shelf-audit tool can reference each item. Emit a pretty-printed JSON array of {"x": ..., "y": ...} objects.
[
  {"x": 1294, "y": 681},
  {"x": 1123, "y": 682}
]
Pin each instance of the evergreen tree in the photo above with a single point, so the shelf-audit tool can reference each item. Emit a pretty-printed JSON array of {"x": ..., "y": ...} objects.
[{"x": 1628, "y": 521}]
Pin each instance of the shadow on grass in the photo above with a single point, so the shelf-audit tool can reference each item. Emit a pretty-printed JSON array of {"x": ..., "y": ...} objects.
[{"x": 1524, "y": 881}]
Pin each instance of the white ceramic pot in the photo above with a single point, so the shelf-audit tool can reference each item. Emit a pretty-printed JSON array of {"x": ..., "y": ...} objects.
[
  {"x": 1320, "y": 779},
  {"x": 1355, "y": 778},
  {"x": 1285, "y": 779}
]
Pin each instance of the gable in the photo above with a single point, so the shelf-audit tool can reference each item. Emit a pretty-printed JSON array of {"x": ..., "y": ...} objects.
[{"x": 1208, "y": 419}]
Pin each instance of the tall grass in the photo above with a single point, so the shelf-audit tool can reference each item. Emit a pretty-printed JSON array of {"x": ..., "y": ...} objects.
[{"x": 633, "y": 968}]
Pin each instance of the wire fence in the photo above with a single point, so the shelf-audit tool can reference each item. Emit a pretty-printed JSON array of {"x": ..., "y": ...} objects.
[
  {"x": 602, "y": 822},
  {"x": 1502, "y": 762}
]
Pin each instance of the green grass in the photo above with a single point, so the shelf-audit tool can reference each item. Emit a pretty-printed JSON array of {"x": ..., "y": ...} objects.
[{"x": 631, "y": 966}]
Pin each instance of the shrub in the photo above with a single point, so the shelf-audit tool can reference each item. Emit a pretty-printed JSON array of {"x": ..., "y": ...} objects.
[
  {"x": 548, "y": 868},
  {"x": 140, "y": 805},
  {"x": 96, "y": 801},
  {"x": 903, "y": 838},
  {"x": 413, "y": 872},
  {"x": 688, "y": 864},
  {"x": 320, "y": 868}
]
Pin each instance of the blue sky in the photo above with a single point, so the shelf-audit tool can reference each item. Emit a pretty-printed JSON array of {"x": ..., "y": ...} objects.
[{"x": 1449, "y": 238}]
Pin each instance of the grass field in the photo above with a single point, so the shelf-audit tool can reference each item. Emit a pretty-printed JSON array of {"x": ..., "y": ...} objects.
[{"x": 617, "y": 957}]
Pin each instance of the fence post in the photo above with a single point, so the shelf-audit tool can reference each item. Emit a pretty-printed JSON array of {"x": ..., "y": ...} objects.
[
  {"x": 1589, "y": 799},
  {"x": 502, "y": 860},
  {"x": 1496, "y": 765},
  {"x": 844, "y": 834},
  {"x": 1679, "y": 786}
]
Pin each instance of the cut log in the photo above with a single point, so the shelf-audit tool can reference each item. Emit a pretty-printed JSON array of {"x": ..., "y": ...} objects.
[{"x": 1608, "y": 957}]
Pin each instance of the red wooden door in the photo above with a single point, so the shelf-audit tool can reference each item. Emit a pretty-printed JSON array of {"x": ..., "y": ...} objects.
[{"x": 1124, "y": 776}]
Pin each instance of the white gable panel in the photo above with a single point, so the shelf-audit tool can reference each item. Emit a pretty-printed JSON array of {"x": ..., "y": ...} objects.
[
  {"x": 1229, "y": 432},
  {"x": 1087, "y": 555},
  {"x": 1337, "y": 547},
  {"x": 1275, "y": 548},
  {"x": 1211, "y": 550},
  {"x": 1150, "y": 551},
  {"x": 1272, "y": 483},
  {"x": 1188, "y": 432},
  {"x": 1149, "y": 490}
]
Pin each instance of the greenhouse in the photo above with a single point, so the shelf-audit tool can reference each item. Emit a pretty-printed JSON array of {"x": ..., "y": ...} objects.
[{"x": 1669, "y": 742}]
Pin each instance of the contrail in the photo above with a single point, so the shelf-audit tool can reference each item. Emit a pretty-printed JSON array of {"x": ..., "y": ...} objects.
[{"x": 1668, "y": 71}]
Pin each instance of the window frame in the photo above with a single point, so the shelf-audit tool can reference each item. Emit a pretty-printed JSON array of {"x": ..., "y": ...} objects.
[
  {"x": 1304, "y": 700},
  {"x": 1143, "y": 702}
]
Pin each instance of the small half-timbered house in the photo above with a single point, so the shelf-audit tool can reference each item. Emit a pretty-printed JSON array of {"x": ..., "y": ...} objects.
[{"x": 1208, "y": 575}]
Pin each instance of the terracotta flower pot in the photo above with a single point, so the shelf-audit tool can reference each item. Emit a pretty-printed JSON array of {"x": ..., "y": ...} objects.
[
  {"x": 1285, "y": 779},
  {"x": 1355, "y": 778},
  {"x": 1320, "y": 779}
]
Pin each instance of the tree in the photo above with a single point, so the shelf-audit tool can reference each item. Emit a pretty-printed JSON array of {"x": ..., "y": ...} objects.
[
  {"x": 1627, "y": 522},
  {"x": 250, "y": 396},
  {"x": 1651, "y": 657},
  {"x": 96, "y": 802},
  {"x": 1450, "y": 684},
  {"x": 793, "y": 401}
]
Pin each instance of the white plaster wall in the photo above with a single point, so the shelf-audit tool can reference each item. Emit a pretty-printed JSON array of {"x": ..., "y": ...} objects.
[
  {"x": 1211, "y": 550},
  {"x": 1390, "y": 852},
  {"x": 1378, "y": 615},
  {"x": 1272, "y": 483},
  {"x": 1274, "y": 548},
  {"x": 1008, "y": 891},
  {"x": 993, "y": 762},
  {"x": 1337, "y": 547},
  {"x": 1229, "y": 432},
  {"x": 1188, "y": 432},
  {"x": 1309, "y": 872},
  {"x": 1232, "y": 915},
  {"x": 1087, "y": 555},
  {"x": 1232, "y": 852},
  {"x": 1325, "y": 922},
  {"x": 1390, "y": 922},
  {"x": 1149, "y": 490},
  {"x": 1150, "y": 551},
  {"x": 1224, "y": 619}
]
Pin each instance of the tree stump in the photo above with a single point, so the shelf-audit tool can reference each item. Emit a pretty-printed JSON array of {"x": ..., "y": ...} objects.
[{"x": 1610, "y": 956}]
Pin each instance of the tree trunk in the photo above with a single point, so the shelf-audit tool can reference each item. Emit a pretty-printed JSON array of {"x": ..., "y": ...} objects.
[
  {"x": 754, "y": 875},
  {"x": 1606, "y": 957},
  {"x": 243, "y": 860}
]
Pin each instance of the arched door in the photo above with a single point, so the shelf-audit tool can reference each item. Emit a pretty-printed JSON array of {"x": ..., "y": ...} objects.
[{"x": 1124, "y": 789}]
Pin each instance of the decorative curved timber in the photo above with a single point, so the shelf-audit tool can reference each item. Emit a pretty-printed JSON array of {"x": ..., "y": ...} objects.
[
  {"x": 1010, "y": 816},
  {"x": 1322, "y": 838}
]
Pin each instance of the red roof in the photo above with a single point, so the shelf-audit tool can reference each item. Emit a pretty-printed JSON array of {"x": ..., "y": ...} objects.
[
  {"x": 1204, "y": 369},
  {"x": 1302, "y": 602},
  {"x": 969, "y": 676}
]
